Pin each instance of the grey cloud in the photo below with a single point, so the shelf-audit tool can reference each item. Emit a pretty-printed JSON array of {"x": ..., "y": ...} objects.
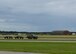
[
  {"x": 37, "y": 15},
  {"x": 28, "y": 6},
  {"x": 17, "y": 27},
  {"x": 62, "y": 7}
]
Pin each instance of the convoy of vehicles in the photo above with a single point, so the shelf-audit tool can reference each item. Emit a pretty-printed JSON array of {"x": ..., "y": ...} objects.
[{"x": 21, "y": 37}]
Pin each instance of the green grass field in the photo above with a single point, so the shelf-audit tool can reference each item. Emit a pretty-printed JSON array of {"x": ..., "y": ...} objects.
[{"x": 39, "y": 47}]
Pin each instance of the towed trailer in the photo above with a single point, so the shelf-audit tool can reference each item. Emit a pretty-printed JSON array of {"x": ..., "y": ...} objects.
[
  {"x": 10, "y": 37},
  {"x": 21, "y": 37}
]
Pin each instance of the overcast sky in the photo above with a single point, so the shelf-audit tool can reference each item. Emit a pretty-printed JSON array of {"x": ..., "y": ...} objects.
[{"x": 37, "y": 15}]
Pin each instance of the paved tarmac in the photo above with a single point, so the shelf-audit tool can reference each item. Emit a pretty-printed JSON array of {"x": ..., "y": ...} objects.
[
  {"x": 6, "y": 52},
  {"x": 73, "y": 41}
]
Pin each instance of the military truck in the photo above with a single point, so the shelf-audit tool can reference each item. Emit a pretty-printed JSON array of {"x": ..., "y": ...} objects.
[
  {"x": 19, "y": 37},
  {"x": 32, "y": 36},
  {"x": 8, "y": 37}
]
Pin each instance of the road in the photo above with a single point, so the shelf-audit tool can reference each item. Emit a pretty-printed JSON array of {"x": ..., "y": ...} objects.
[
  {"x": 38, "y": 41},
  {"x": 6, "y": 52}
]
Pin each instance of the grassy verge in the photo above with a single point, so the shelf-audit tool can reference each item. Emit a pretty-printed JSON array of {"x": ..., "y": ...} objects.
[{"x": 39, "y": 47}]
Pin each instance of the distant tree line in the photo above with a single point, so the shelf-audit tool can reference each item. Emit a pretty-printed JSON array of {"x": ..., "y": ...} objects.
[{"x": 58, "y": 32}]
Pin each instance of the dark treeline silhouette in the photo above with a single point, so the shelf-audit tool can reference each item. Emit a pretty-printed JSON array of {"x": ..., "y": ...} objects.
[
  {"x": 16, "y": 33},
  {"x": 57, "y": 32}
]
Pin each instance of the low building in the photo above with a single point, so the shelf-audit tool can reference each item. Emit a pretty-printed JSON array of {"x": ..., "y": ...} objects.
[{"x": 61, "y": 32}]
